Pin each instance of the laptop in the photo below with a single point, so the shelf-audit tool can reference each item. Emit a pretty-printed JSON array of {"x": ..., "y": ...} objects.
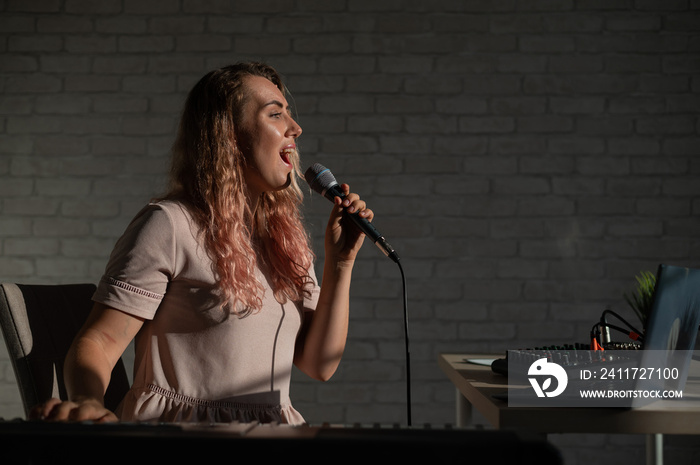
[{"x": 672, "y": 325}]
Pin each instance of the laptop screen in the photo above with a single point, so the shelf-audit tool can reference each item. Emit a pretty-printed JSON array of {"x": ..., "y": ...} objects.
[
  {"x": 672, "y": 326},
  {"x": 675, "y": 313}
]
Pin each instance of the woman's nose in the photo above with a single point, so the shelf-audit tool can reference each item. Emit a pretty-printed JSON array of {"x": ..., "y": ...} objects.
[{"x": 294, "y": 129}]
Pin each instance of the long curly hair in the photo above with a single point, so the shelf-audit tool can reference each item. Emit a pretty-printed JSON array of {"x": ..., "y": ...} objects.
[{"x": 207, "y": 175}]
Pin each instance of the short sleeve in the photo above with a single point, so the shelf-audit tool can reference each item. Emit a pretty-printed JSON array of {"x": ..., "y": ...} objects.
[{"x": 141, "y": 265}]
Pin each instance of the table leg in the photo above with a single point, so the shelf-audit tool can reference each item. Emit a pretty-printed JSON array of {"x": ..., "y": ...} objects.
[
  {"x": 655, "y": 449},
  {"x": 463, "y": 410}
]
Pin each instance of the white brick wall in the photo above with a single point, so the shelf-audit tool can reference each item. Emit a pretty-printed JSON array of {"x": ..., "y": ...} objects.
[{"x": 526, "y": 159}]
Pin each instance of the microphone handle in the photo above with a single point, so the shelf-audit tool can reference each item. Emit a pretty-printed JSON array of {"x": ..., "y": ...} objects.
[{"x": 365, "y": 226}]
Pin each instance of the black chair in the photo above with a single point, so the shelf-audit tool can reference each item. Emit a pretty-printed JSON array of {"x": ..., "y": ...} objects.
[{"x": 39, "y": 323}]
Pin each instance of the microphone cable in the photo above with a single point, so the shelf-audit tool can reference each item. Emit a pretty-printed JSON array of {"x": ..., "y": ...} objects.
[{"x": 406, "y": 339}]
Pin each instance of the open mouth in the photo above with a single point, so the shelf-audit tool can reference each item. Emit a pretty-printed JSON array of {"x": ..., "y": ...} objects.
[{"x": 286, "y": 155}]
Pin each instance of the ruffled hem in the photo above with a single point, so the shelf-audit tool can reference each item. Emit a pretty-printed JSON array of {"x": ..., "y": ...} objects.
[{"x": 154, "y": 403}]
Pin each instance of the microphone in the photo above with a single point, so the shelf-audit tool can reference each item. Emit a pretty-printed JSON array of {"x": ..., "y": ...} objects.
[{"x": 323, "y": 182}]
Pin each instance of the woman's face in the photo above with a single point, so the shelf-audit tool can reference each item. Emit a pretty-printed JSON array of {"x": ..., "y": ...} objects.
[{"x": 266, "y": 134}]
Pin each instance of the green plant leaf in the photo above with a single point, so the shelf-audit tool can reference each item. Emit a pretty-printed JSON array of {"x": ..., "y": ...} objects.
[{"x": 641, "y": 301}]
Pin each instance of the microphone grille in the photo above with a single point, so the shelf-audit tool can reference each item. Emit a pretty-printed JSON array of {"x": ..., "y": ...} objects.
[{"x": 319, "y": 177}]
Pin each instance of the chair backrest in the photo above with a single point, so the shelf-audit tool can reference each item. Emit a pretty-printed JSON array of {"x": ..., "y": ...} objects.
[{"x": 39, "y": 323}]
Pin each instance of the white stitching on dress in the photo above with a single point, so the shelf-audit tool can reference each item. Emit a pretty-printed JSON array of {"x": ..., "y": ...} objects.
[{"x": 134, "y": 289}]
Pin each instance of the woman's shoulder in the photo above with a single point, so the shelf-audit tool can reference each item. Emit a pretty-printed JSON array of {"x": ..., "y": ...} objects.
[
  {"x": 176, "y": 210},
  {"x": 160, "y": 218}
]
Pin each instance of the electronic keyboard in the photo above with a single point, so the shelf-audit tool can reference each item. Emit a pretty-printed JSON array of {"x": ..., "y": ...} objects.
[{"x": 34, "y": 442}]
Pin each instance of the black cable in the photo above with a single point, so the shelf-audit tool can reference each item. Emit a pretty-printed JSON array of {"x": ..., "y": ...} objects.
[
  {"x": 595, "y": 330},
  {"x": 602, "y": 319},
  {"x": 408, "y": 352}
]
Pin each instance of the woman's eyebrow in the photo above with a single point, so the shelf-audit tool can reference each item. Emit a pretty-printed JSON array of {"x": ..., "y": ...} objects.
[
  {"x": 274, "y": 102},
  {"x": 279, "y": 104}
]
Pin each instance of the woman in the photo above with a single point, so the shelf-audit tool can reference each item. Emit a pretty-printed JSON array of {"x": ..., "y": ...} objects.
[{"x": 215, "y": 280}]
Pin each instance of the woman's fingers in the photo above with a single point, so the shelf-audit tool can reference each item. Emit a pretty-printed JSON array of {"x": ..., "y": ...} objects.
[
  {"x": 42, "y": 411},
  {"x": 352, "y": 203},
  {"x": 59, "y": 410}
]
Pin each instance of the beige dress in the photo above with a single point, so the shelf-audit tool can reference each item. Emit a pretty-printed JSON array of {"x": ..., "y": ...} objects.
[{"x": 195, "y": 362}]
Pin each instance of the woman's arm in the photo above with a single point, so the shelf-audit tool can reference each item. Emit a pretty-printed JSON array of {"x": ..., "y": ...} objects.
[
  {"x": 322, "y": 341},
  {"x": 88, "y": 366}
]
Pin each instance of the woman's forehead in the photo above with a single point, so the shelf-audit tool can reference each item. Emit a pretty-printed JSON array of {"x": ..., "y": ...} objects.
[{"x": 263, "y": 91}]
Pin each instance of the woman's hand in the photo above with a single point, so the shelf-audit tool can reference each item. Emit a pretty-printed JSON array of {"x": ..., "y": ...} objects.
[
  {"x": 84, "y": 409},
  {"x": 343, "y": 238}
]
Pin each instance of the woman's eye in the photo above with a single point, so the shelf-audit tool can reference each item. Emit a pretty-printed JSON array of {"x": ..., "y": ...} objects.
[{"x": 276, "y": 115}]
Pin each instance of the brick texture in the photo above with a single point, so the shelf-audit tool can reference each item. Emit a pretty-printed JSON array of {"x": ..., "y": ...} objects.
[{"x": 526, "y": 158}]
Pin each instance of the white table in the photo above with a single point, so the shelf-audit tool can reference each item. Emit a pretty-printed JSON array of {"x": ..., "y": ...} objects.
[{"x": 476, "y": 385}]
